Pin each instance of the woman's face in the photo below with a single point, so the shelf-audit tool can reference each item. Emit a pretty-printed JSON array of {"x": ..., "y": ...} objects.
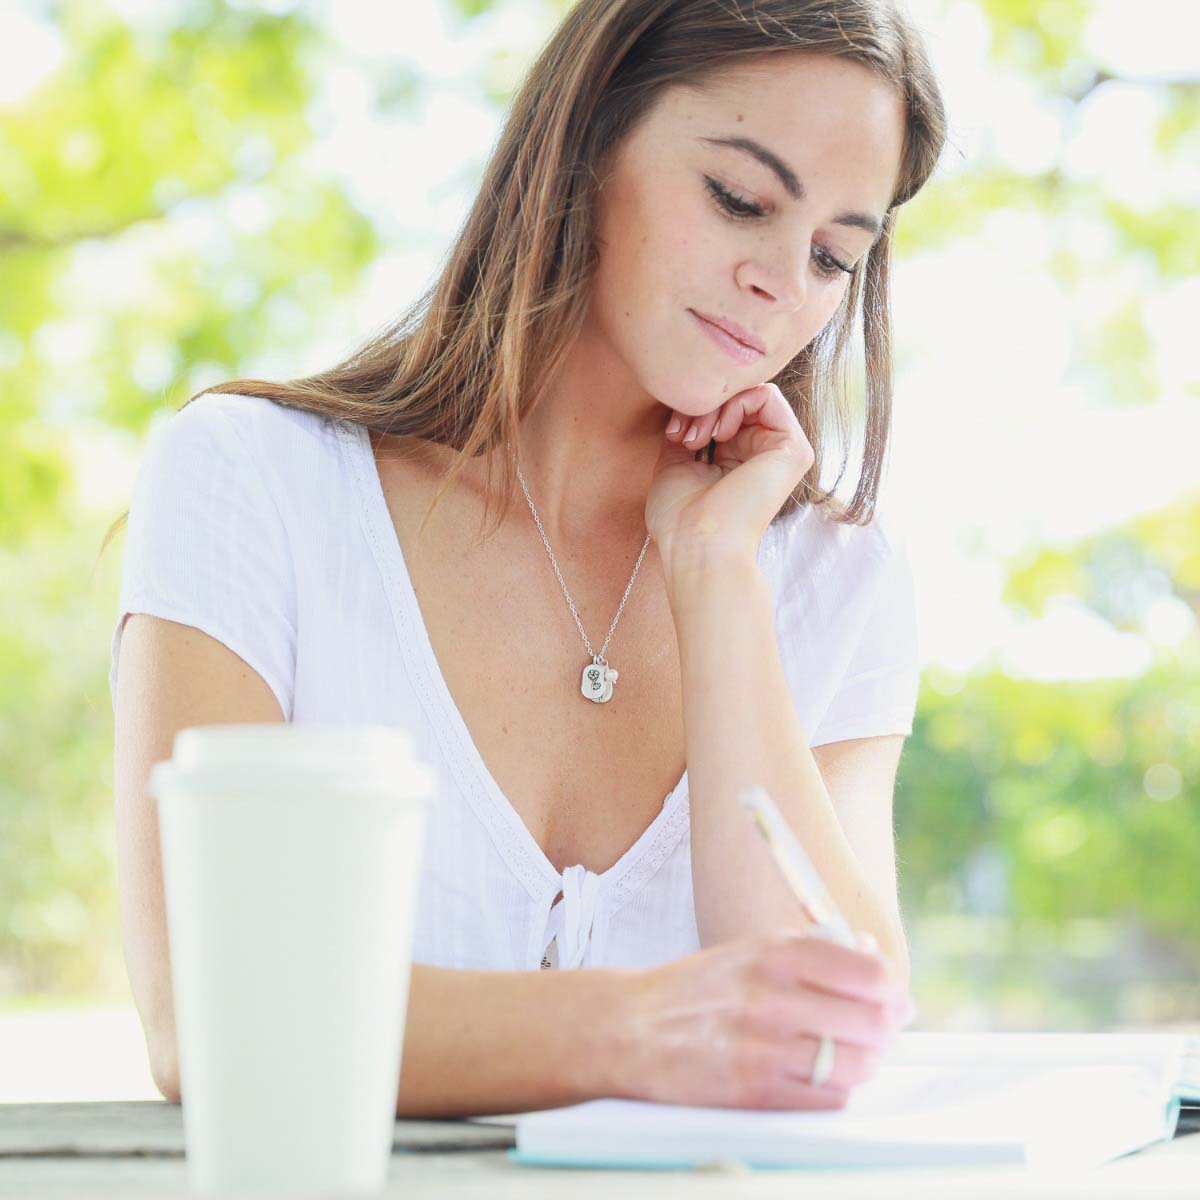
[{"x": 672, "y": 243}]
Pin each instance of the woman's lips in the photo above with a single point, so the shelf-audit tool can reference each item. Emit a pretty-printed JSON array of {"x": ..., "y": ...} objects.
[{"x": 736, "y": 350}]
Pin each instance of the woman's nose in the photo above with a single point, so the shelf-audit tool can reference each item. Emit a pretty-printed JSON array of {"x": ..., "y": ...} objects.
[{"x": 781, "y": 277}]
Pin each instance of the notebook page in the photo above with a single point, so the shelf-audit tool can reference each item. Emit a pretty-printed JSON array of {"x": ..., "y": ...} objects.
[
  {"x": 907, "y": 1115},
  {"x": 1040, "y": 1046}
]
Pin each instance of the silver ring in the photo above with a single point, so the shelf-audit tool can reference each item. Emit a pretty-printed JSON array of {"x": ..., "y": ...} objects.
[{"x": 823, "y": 1066}]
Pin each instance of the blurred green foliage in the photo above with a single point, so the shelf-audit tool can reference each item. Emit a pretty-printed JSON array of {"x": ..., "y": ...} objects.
[
  {"x": 1042, "y": 827},
  {"x": 111, "y": 161}
]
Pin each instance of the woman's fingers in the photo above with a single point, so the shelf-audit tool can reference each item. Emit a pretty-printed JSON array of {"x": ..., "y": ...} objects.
[
  {"x": 852, "y": 1064},
  {"x": 798, "y": 958},
  {"x": 769, "y": 1077},
  {"x": 791, "y": 1094},
  {"x": 723, "y": 423},
  {"x": 699, "y": 431},
  {"x": 789, "y": 1013}
]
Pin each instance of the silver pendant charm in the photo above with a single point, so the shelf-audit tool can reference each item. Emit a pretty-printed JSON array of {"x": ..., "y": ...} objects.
[{"x": 598, "y": 680}]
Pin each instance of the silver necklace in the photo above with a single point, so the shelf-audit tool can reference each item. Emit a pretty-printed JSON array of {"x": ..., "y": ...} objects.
[{"x": 598, "y": 677}]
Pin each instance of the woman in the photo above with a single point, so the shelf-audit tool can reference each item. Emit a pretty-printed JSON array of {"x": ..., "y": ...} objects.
[{"x": 641, "y": 322}]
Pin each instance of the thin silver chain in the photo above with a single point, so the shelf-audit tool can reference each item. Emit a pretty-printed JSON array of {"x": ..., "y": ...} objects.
[{"x": 595, "y": 657}]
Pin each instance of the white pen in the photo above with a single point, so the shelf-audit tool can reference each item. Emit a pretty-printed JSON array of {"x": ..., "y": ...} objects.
[{"x": 797, "y": 867}]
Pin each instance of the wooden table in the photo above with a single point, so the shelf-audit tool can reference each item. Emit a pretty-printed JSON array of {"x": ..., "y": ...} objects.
[{"x": 136, "y": 1149}]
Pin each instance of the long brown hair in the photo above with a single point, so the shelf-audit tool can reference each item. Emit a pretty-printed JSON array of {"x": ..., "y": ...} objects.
[{"x": 478, "y": 348}]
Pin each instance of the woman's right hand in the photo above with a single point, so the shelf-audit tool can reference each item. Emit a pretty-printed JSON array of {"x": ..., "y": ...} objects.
[{"x": 738, "y": 1025}]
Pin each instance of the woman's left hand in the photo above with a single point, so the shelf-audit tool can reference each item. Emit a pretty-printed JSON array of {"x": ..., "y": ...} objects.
[{"x": 699, "y": 508}]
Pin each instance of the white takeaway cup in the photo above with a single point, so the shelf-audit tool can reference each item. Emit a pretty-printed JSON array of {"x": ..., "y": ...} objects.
[{"x": 291, "y": 856}]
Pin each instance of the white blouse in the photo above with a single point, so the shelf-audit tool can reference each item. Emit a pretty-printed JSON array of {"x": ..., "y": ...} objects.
[{"x": 267, "y": 529}]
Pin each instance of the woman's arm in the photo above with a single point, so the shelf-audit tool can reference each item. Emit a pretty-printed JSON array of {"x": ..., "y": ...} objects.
[
  {"x": 479, "y": 1042},
  {"x": 741, "y": 727},
  {"x": 170, "y": 676}
]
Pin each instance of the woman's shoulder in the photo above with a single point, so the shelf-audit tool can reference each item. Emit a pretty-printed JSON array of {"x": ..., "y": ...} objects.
[
  {"x": 813, "y": 543},
  {"x": 226, "y": 452},
  {"x": 258, "y": 420},
  {"x": 291, "y": 445}
]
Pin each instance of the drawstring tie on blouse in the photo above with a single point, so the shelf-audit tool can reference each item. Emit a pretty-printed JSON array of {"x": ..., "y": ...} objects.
[{"x": 574, "y": 921}]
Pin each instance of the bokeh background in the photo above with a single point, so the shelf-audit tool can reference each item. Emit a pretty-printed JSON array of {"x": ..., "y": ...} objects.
[{"x": 197, "y": 190}]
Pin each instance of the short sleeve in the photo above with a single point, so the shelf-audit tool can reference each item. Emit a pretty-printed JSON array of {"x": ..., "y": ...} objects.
[
  {"x": 878, "y": 693},
  {"x": 205, "y": 543}
]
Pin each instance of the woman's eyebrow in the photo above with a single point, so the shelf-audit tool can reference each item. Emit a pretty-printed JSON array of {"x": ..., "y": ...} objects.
[{"x": 790, "y": 180}]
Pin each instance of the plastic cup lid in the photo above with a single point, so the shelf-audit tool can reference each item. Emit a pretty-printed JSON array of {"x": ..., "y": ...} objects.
[{"x": 379, "y": 751}]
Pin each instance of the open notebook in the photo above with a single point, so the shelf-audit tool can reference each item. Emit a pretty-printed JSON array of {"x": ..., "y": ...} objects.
[{"x": 1042, "y": 1099}]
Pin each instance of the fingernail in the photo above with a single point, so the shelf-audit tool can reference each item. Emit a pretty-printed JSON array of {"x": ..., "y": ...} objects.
[
  {"x": 674, "y": 425},
  {"x": 691, "y": 433}
]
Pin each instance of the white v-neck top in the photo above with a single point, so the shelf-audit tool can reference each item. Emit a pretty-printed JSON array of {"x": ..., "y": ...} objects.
[{"x": 267, "y": 528}]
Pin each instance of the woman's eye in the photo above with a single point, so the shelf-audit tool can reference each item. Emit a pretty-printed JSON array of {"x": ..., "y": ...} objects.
[
  {"x": 827, "y": 266},
  {"x": 732, "y": 204}
]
